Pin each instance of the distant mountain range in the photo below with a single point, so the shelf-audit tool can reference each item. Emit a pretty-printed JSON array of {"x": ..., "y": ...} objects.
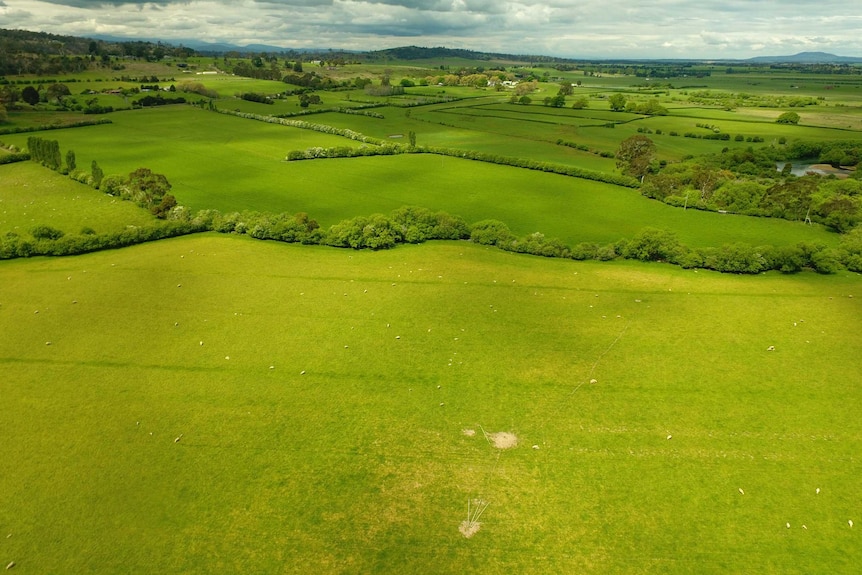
[
  {"x": 806, "y": 58},
  {"x": 22, "y": 37}
]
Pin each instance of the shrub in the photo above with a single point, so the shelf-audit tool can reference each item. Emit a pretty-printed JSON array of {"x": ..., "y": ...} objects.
[
  {"x": 788, "y": 118},
  {"x": 43, "y": 232},
  {"x": 651, "y": 244},
  {"x": 491, "y": 233}
]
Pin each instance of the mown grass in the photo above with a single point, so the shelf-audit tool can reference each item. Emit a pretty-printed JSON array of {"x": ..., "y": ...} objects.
[
  {"x": 31, "y": 195},
  {"x": 360, "y": 464}
]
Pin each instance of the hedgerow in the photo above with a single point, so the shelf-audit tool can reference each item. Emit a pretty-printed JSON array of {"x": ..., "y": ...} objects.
[{"x": 78, "y": 124}]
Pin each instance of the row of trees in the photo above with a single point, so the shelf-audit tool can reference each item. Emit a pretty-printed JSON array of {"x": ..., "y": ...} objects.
[
  {"x": 619, "y": 103},
  {"x": 46, "y": 152}
]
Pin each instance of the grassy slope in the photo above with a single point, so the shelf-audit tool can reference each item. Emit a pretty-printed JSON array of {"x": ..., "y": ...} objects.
[
  {"x": 31, "y": 195},
  {"x": 357, "y": 467}
]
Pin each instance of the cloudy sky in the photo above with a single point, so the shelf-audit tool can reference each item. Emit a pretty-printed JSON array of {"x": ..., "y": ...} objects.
[{"x": 570, "y": 28}]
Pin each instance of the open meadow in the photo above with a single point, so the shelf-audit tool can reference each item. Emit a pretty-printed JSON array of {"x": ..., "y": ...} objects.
[{"x": 217, "y": 403}]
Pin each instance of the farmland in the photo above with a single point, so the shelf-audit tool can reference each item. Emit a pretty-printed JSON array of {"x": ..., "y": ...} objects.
[
  {"x": 215, "y": 402},
  {"x": 321, "y": 398}
]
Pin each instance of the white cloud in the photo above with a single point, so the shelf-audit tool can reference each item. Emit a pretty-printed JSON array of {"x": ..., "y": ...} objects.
[{"x": 574, "y": 28}]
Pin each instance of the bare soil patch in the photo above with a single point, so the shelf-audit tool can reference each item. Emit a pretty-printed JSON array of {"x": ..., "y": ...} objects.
[{"x": 503, "y": 439}]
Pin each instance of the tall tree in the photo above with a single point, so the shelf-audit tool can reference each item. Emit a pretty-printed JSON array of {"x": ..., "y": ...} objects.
[
  {"x": 617, "y": 102},
  {"x": 635, "y": 155}
]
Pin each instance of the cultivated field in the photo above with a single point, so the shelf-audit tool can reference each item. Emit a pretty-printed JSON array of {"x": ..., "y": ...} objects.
[{"x": 215, "y": 403}]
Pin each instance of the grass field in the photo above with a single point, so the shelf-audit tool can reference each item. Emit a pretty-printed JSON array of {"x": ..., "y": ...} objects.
[
  {"x": 232, "y": 164},
  {"x": 31, "y": 195},
  {"x": 321, "y": 398}
]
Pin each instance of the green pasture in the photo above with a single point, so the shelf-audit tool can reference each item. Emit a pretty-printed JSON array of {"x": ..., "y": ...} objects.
[
  {"x": 31, "y": 195},
  {"x": 228, "y": 85},
  {"x": 232, "y": 164},
  {"x": 214, "y": 403}
]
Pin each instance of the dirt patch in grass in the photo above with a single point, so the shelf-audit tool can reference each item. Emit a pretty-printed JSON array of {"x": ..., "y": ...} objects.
[{"x": 503, "y": 440}]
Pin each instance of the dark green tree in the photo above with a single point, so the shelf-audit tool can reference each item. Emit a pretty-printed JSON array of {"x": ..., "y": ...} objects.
[
  {"x": 30, "y": 95},
  {"x": 97, "y": 174}
]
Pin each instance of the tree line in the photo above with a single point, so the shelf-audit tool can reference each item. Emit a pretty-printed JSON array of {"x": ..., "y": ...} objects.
[{"x": 411, "y": 225}]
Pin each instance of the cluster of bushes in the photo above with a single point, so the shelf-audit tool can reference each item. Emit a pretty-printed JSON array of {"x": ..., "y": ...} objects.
[
  {"x": 198, "y": 88},
  {"x": 310, "y": 80},
  {"x": 713, "y": 136},
  {"x": 96, "y": 108},
  {"x": 384, "y": 90},
  {"x": 255, "y": 97},
  {"x": 731, "y": 100},
  {"x": 58, "y": 243},
  {"x": 144, "y": 187},
  {"x": 258, "y": 72},
  {"x": 653, "y": 244},
  {"x": 650, "y": 108},
  {"x": 12, "y": 158},
  {"x": 359, "y": 112},
  {"x": 157, "y": 100},
  {"x": 343, "y": 152},
  {"x": 12, "y": 154},
  {"x": 378, "y": 231}
]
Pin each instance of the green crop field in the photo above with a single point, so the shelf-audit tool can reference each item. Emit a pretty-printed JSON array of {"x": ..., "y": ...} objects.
[{"x": 223, "y": 404}]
